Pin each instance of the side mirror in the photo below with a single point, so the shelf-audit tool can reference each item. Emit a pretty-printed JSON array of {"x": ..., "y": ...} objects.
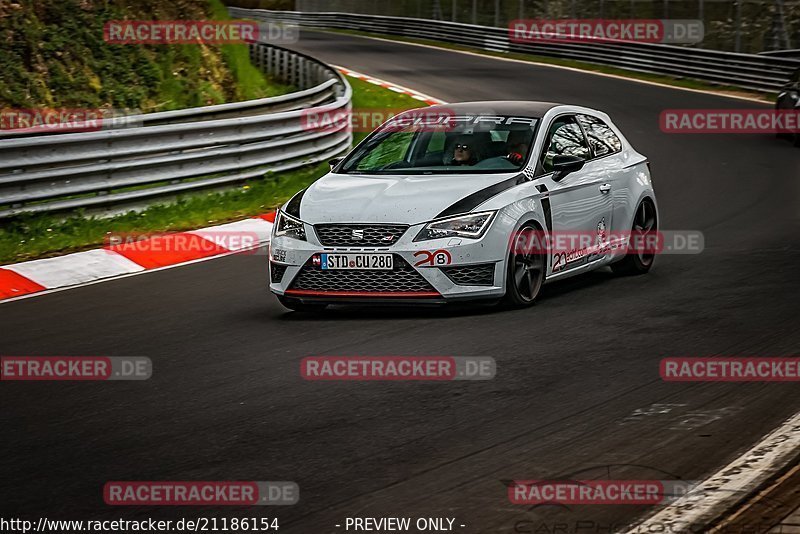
[
  {"x": 334, "y": 162},
  {"x": 564, "y": 164}
]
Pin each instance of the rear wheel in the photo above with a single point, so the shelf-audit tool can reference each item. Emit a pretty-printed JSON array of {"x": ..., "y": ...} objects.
[
  {"x": 300, "y": 306},
  {"x": 640, "y": 259},
  {"x": 525, "y": 273}
]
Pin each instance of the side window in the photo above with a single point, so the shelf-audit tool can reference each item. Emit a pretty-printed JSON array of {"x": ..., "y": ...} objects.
[
  {"x": 564, "y": 138},
  {"x": 602, "y": 138}
]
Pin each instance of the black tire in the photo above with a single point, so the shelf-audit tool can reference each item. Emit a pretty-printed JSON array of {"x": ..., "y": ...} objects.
[
  {"x": 299, "y": 306},
  {"x": 640, "y": 260},
  {"x": 525, "y": 271}
]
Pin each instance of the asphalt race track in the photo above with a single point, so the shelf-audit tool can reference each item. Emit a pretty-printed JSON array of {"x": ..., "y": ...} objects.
[{"x": 577, "y": 392}]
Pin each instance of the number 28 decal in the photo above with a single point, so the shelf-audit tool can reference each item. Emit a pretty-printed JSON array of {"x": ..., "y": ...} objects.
[{"x": 433, "y": 258}]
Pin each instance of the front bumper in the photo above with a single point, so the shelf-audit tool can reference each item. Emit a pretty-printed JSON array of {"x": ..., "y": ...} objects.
[{"x": 476, "y": 270}]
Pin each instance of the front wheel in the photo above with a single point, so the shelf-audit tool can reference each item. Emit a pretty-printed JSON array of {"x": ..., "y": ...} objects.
[
  {"x": 300, "y": 306},
  {"x": 639, "y": 258},
  {"x": 525, "y": 272}
]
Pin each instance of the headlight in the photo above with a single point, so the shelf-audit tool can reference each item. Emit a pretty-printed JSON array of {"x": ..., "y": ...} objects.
[
  {"x": 289, "y": 226},
  {"x": 472, "y": 226}
]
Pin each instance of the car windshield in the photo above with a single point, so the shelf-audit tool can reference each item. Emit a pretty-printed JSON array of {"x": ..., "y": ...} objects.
[{"x": 453, "y": 144}]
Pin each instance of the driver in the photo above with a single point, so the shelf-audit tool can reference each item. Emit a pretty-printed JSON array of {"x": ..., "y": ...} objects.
[{"x": 517, "y": 146}]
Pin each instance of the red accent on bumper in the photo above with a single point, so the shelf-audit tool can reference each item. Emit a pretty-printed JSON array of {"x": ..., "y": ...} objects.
[{"x": 366, "y": 294}]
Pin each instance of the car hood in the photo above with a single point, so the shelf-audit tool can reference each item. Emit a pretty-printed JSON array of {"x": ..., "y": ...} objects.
[{"x": 348, "y": 198}]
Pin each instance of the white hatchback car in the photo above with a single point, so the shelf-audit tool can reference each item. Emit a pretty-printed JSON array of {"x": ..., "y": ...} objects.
[{"x": 480, "y": 200}]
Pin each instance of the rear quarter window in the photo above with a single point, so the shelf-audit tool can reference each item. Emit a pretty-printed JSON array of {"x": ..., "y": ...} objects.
[{"x": 601, "y": 137}]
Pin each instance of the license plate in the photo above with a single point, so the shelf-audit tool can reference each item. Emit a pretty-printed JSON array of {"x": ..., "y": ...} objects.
[{"x": 371, "y": 262}]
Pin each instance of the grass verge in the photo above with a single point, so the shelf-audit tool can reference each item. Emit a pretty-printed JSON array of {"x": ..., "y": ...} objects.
[
  {"x": 251, "y": 83},
  {"x": 38, "y": 236}
]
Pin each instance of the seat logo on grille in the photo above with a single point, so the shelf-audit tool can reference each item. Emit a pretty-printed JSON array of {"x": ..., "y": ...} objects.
[{"x": 357, "y": 235}]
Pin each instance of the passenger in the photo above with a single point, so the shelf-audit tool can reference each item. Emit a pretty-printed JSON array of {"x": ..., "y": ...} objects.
[{"x": 464, "y": 153}]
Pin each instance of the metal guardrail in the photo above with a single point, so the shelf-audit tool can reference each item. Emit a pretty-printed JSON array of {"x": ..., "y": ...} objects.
[
  {"x": 196, "y": 149},
  {"x": 794, "y": 53},
  {"x": 745, "y": 71}
]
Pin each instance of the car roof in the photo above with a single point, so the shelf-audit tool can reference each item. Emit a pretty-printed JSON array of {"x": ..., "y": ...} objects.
[{"x": 521, "y": 108}]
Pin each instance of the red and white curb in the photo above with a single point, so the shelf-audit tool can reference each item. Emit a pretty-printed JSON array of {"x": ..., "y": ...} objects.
[
  {"x": 158, "y": 252},
  {"x": 392, "y": 87}
]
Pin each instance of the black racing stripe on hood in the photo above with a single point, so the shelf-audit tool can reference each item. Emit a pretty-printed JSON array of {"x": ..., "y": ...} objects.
[
  {"x": 293, "y": 206},
  {"x": 472, "y": 201}
]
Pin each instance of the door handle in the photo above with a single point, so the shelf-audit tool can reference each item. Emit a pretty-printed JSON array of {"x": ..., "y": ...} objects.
[{"x": 605, "y": 188}]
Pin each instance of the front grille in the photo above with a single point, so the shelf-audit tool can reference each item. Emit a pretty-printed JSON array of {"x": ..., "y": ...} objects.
[
  {"x": 471, "y": 275},
  {"x": 371, "y": 235},
  {"x": 276, "y": 272},
  {"x": 403, "y": 278}
]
